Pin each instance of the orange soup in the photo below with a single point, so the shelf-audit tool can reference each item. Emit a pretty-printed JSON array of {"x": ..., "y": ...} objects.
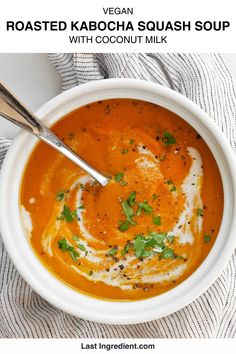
[{"x": 145, "y": 232}]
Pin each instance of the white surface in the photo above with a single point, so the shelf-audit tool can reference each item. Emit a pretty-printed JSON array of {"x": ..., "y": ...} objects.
[
  {"x": 76, "y": 303},
  {"x": 32, "y": 78},
  {"x": 35, "y": 81}
]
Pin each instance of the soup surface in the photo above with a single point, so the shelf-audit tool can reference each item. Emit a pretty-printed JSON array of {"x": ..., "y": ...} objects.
[{"x": 150, "y": 227}]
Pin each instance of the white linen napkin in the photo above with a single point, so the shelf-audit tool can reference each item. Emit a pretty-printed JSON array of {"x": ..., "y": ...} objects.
[{"x": 203, "y": 78}]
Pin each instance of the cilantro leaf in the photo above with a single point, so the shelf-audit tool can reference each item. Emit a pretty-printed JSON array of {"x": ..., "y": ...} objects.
[
  {"x": 168, "y": 139},
  {"x": 124, "y": 151},
  {"x": 60, "y": 196},
  {"x": 124, "y": 226},
  {"x": 158, "y": 238},
  {"x": 66, "y": 247},
  {"x": 81, "y": 247},
  {"x": 73, "y": 253},
  {"x": 154, "y": 196},
  {"x": 119, "y": 177},
  {"x": 75, "y": 238},
  {"x": 126, "y": 248},
  {"x": 67, "y": 214},
  {"x": 63, "y": 244},
  {"x": 152, "y": 244},
  {"x": 200, "y": 212},
  {"x": 171, "y": 184},
  {"x": 128, "y": 211},
  {"x": 112, "y": 251},
  {"x": 156, "y": 220},
  {"x": 144, "y": 206},
  {"x": 131, "y": 199},
  {"x": 140, "y": 247},
  {"x": 168, "y": 253},
  {"x": 207, "y": 238}
]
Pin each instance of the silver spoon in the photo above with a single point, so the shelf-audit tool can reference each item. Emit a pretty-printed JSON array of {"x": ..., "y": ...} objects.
[{"x": 13, "y": 110}]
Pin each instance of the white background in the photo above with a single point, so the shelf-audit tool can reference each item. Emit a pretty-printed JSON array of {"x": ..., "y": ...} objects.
[
  {"x": 35, "y": 81},
  {"x": 167, "y": 346},
  {"x": 90, "y": 10}
]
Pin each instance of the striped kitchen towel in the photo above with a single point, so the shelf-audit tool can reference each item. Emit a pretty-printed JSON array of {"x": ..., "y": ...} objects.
[{"x": 203, "y": 78}]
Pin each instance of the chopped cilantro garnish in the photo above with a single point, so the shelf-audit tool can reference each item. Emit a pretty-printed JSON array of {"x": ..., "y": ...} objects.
[
  {"x": 81, "y": 207},
  {"x": 74, "y": 213},
  {"x": 123, "y": 183},
  {"x": 168, "y": 253},
  {"x": 63, "y": 244},
  {"x": 156, "y": 220},
  {"x": 200, "y": 212},
  {"x": 128, "y": 211},
  {"x": 81, "y": 247},
  {"x": 119, "y": 177},
  {"x": 126, "y": 249},
  {"x": 152, "y": 244},
  {"x": 112, "y": 251},
  {"x": 81, "y": 186},
  {"x": 145, "y": 246},
  {"x": 60, "y": 196},
  {"x": 144, "y": 206},
  {"x": 124, "y": 226},
  {"x": 124, "y": 151},
  {"x": 90, "y": 273},
  {"x": 75, "y": 238},
  {"x": 67, "y": 214},
  {"x": 207, "y": 238},
  {"x": 171, "y": 184},
  {"x": 131, "y": 142},
  {"x": 140, "y": 245},
  {"x": 73, "y": 253},
  {"x": 168, "y": 139},
  {"x": 154, "y": 196},
  {"x": 158, "y": 238},
  {"x": 181, "y": 257},
  {"x": 131, "y": 199},
  {"x": 66, "y": 247}
]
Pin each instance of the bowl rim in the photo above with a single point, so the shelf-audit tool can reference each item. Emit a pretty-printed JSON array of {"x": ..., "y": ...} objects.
[{"x": 86, "y": 307}]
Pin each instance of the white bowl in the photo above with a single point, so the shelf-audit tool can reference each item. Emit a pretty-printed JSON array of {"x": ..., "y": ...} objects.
[{"x": 55, "y": 291}]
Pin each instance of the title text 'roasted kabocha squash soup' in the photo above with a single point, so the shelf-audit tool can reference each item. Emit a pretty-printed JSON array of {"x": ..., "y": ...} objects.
[{"x": 150, "y": 227}]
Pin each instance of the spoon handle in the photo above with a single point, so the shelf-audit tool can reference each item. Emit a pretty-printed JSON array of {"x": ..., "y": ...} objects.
[{"x": 13, "y": 110}]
